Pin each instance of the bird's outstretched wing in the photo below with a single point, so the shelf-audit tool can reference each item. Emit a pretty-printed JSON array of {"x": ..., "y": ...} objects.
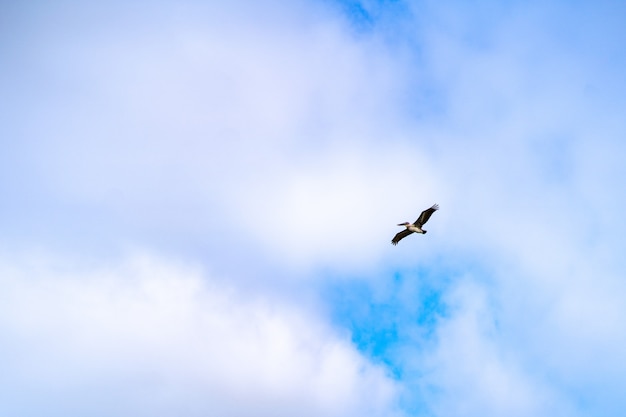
[
  {"x": 400, "y": 235},
  {"x": 423, "y": 218}
]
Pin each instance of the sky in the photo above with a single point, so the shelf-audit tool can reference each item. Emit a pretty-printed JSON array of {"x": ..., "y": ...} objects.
[{"x": 198, "y": 200}]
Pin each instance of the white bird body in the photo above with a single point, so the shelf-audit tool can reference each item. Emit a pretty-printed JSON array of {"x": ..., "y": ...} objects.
[{"x": 415, "y": 229}]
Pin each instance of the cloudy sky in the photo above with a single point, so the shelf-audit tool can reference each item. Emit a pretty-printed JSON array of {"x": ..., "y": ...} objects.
[{"x": 198, "y": 198}]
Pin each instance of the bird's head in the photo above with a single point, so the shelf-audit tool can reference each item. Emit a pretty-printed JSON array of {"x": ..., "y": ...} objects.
[{"x": 404, "y": 224}]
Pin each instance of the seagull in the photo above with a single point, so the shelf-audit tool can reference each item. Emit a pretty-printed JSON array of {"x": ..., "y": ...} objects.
[{"x": 415, "y": 227}]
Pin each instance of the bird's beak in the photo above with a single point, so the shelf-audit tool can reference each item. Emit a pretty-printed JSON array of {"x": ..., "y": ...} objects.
[{"x": 401, "y": 224}]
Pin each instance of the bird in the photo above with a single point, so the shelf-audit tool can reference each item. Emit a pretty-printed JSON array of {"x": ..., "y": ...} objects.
[{"x": 415, "y": 227}]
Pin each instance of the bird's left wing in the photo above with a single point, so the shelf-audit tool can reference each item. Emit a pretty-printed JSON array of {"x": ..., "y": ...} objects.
[{"x": 423, "y": 218}]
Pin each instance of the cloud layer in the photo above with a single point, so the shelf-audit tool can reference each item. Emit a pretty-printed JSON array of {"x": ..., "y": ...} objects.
[
  {"x": 148, "y": 337},
  {"x": 277, "y": 146}
]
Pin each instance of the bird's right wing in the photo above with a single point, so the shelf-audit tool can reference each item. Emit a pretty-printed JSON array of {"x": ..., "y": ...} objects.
[
  {"x": 400, "y": 235},
  {"x": 423, "y": 218}
]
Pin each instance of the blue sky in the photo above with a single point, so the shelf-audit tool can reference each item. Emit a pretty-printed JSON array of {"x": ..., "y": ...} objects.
[{"x": 198, "y": 201}]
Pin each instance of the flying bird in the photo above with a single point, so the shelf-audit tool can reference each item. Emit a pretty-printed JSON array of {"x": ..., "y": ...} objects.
[{"x": 415, "y": 227}]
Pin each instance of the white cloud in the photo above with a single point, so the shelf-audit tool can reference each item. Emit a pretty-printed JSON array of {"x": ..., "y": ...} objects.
[
  {"x": 248, "y": 132},
  {"x": 151, "y": 337},
  {"x": 475, "y": 372}
]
